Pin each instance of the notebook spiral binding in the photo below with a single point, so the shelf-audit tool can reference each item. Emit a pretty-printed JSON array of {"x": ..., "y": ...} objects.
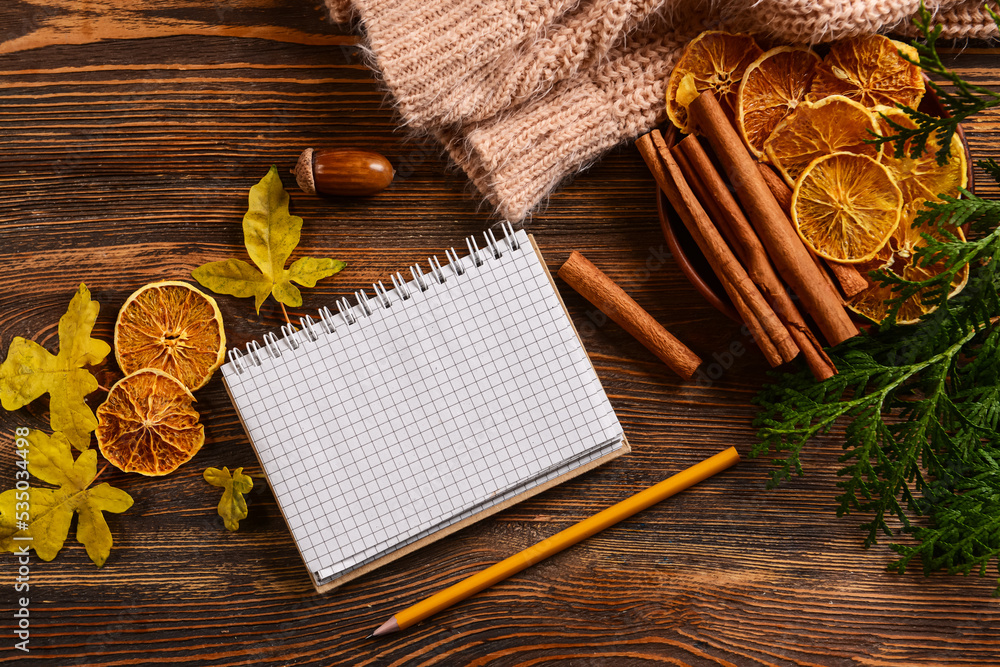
[{"x": 292, "y": 338}]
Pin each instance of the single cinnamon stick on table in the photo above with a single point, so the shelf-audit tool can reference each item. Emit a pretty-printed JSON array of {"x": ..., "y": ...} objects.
[
  {"x": 711, "y": 189},
  {"x": 612, "y": 300},
  {"x": 744, "y": 294},
  {"x": 848, "y": 277},
  {"x": 790, "y": 256}
]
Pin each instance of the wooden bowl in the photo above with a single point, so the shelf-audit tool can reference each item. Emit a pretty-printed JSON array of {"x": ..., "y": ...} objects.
[{"x": 694, "y": 265}]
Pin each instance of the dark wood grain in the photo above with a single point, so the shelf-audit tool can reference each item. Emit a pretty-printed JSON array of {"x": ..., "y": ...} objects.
[{"x": 129, "y": 136}]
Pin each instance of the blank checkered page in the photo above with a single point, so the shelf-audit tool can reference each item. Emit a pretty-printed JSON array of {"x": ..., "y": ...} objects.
[{"x": 415, "y": 413}]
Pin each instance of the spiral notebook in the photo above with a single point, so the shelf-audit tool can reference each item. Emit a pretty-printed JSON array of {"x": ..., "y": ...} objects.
[{"x": 406, "y": 415}]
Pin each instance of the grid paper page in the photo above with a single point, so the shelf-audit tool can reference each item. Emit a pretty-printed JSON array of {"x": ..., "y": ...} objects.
[
  {"x": 568, "y": 466},
  {"x": 424, "y": 412}
]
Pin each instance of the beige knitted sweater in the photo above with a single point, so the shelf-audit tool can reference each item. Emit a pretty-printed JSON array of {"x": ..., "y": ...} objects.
[{"x": 526, "y": 93}]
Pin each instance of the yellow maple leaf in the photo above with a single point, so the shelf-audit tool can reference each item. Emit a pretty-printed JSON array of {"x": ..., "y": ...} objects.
[
  {"x": 30, "y": 371},
  {"x": 39, "y": 517},
  {"x": 270, "y": 234},
  {"x": 233, "y": 506}
]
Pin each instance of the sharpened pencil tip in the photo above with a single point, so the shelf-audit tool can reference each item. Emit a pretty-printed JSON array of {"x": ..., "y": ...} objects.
[
  {"x": 370, "y": 636},
  {"x": 389, "y": 626}
]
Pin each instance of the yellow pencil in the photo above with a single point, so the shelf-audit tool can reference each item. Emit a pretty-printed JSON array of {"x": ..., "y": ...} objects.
[{"x": 558, "y": 542}]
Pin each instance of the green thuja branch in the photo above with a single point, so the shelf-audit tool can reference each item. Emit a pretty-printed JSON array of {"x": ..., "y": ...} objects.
[{"x": 921, "y": 411}]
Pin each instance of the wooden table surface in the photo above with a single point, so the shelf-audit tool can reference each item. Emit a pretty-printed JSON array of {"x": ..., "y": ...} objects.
[{"x": 130, "y": 133}]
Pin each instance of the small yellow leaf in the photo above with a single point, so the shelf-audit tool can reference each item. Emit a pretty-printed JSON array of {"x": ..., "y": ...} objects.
[
  {"x": 44, "y": 514},
  {"x": 233, "y": 506},
  {"x": 30, "y": 371},
  {"x": 51, "y": 460},
  {"x": 287, "y": 293},
  {"x": 270, "y": 234}
]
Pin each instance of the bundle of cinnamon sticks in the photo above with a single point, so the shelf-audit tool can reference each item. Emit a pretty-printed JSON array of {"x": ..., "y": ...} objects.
[{"x": 743, "y": 228}]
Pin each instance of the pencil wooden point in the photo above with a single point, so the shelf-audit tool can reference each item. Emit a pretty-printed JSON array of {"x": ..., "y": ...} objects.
[{"x": 386, "y": 628}]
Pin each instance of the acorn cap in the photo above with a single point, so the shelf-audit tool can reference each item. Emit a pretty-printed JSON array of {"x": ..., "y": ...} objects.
[{"x": 304, "y": 172}]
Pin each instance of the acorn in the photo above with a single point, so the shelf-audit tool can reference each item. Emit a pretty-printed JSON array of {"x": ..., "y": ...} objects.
[{"x": 343, "y": 171}]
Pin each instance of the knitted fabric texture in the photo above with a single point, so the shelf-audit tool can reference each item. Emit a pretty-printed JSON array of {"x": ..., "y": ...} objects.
[{"x": 523, "y": 94}]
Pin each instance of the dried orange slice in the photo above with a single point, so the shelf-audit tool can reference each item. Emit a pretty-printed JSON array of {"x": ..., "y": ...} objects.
[
  {"x": 814, "y": 129},
  {"x": 772, "y": 86},
  {"x": 897, "y": 256},
  {"x": 714, "y": 60},
  {"x": 147, "y": 424},
  {"x": 922, "y": 178},
  {"x": 870, "y": 70},
  {"x": 173, "y": 327},
  {"x": 846, "y": 206}
]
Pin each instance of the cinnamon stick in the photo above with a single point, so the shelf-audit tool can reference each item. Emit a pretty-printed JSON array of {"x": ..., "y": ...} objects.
[
  {"x": 740, "y": 301},
  {"x": 746, "y": 298},
  {"x": 771, "y": 353},
  {"x": 756, "y": 329},
  {"x": 711, "y": 203},
  {"x": 600, "y": 290},
  {"x": 790, "y": 256},
  {"x": 776, "y": 184},
  {"x": 848, "y": 277},
  {"x": 777, "y": 334},
  {"x": 711, "y": 189}
]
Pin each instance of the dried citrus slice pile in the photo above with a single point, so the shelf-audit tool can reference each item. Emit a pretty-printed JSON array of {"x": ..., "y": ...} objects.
[
  {"x": 169, "y": 340},
  {"x": 713, "y": 60},
  {"x": 772, "y": 87},
  {"x": 831, "y": 125},
  {"x": 897, "y": 257},
  {"x": 846, "y": 206},
  {"x": 869, "y": 70},
  {"x": 173, "y": 327},
  {"x": 147, "y": 424}
]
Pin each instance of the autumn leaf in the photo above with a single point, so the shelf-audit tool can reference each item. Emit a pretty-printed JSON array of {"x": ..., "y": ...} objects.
[
  {"x": 39, "y": 517},
  {"x": 270, "y": 234},
  {"x": 233, "y": 506},
  {"x": 30, "y": 371}
]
